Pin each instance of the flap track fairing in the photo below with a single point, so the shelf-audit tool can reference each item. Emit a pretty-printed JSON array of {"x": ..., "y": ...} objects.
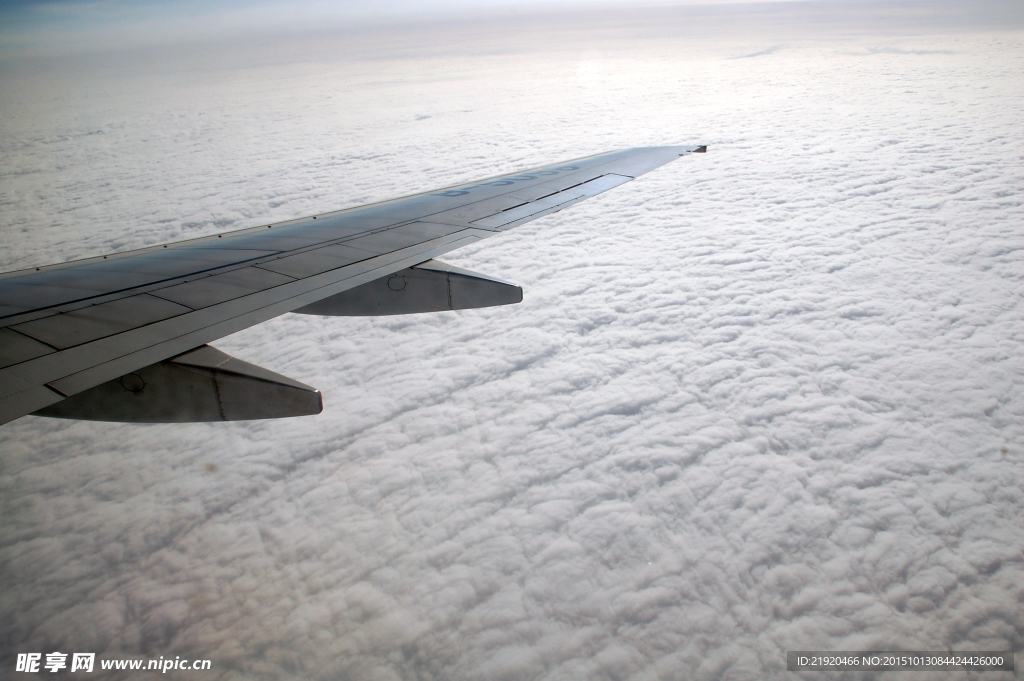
[
  {"x": 203, "y": 384},
  {"x": 432, "y": 286}
]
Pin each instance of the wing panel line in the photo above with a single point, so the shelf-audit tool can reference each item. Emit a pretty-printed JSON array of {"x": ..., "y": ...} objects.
[{"x": 100, "y": 373}]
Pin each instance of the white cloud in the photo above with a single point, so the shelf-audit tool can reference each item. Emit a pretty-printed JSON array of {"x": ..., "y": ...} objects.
[{"x": 763, "y": 399}]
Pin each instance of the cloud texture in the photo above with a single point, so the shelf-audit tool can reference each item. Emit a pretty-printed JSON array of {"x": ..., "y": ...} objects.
[{"x": 759, "y": 400}]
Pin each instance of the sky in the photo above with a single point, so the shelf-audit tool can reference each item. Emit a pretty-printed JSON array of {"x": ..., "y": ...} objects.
[
  {"x": 33, "y": 28},
  {"x": 38, "y": 27},
  {"x": 763, "y": 399}
]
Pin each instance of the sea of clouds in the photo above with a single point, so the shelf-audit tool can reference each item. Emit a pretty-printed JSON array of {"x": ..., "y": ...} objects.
[{"x": 769, "y": 398}]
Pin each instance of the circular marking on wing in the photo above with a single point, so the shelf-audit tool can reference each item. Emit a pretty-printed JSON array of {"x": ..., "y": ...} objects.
[
  {"x": 396, "y": 284},
  {"x": 133, "y": 383}
]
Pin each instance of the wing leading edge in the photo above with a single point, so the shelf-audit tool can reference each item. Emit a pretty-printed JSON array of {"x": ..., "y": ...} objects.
[{"x": 66, "y": 329}]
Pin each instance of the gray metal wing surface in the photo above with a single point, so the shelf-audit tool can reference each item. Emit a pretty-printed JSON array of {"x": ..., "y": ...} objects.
[{"x": 69, "y": 328}]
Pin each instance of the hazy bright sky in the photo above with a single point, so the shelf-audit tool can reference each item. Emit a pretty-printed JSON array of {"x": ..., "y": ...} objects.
[
  {"x": 43, "y": 24},
  {"x": 69, "y": 26}
]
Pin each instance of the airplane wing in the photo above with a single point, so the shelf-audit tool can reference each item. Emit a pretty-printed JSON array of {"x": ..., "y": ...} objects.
[{"x": 124, "y": 337}]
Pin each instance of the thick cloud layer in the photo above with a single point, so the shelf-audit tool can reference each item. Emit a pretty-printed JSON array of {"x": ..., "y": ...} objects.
[{"x": 760, "y": 400}]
